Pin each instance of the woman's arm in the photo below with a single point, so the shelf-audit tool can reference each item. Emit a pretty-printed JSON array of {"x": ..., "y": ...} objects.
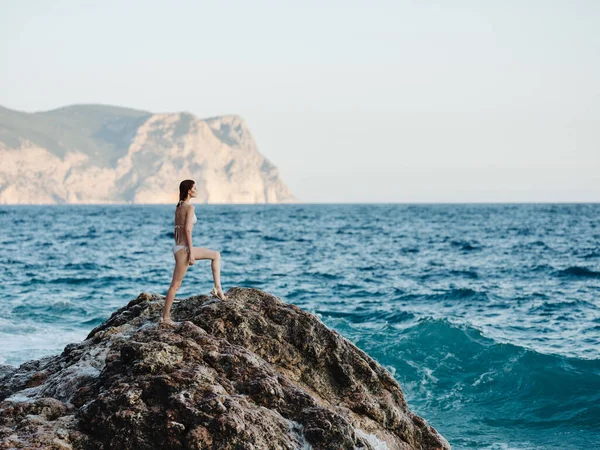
[{"x": 188, "y": 232}]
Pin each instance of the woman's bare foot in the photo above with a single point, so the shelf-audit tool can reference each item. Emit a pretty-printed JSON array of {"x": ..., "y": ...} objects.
[
  {"x": 162, "y": 322},
  {"x": 217, "y": 291}
]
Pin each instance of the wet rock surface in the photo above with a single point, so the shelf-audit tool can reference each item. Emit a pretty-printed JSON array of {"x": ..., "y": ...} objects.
[{"x": 250, "y": 372}]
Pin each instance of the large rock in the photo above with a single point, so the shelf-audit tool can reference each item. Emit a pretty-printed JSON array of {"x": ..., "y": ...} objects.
[
  {"x": 250, "y": 372},
  {"x": 104, "y": 154}
]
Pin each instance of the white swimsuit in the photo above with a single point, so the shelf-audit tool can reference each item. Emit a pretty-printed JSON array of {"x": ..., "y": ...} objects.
[{"x": 176, "y": 248}]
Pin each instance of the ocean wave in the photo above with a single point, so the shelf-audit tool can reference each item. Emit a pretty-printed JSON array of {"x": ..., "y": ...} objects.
[
  {"x": 347, "y": 230},
  {"x": 56, "y": 310},
  {"x": 514, "y": 382},
  {"x": 368, "y": 316},
  {"x": 273, "y": 239},
  {"x": 410, "y": 250},
  {"x": 358, "y": 294},
  {"x": 95, "y": 321},
  {"x": 466, "y": 246},
  {"x": 464, "y": 273},
  {"x": 441, "y": 274},
  {"x": 298, "y": 293},
  {"x": 542, "y": 268},
  {"x": 536, "y": 244},
  {"x": 371, "y": 267},
  {"x": 568, "y": 306},
  {"x": 84, "y": 266},
  {"x": 458, "y": 294},
  {"x": 75, "y": 281},
  {"x": 593, "y": 254},
  {"x": 578, "y": 272},
  {"x": 325, "y": 276}
]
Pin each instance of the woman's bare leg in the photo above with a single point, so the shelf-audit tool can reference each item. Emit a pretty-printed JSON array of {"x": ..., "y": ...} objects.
[
  {"x": 181, "y": 266},
  {"x": 215, "y": 256}
]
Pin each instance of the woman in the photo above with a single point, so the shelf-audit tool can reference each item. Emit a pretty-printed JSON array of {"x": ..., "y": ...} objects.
[{"x": 185, "y": 255}]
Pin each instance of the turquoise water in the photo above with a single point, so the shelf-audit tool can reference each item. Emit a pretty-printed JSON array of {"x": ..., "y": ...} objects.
[{"x": 487, "y": 315}]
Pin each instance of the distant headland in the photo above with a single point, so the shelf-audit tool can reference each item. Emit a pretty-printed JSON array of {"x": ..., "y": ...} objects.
[{"x": 107, "y": 154}]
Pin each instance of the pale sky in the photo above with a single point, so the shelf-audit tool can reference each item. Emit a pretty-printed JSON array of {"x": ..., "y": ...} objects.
[{"x": 379, "y": 101}]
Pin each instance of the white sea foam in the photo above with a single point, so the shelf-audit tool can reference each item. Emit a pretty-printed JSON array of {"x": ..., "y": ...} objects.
[
  {"x": 24, "y": 396},
  {"x": 391, "y": 369},
  {"x": 34, "y": 341},
  {"x": 504, "y": 446},
  {"x": 297, "y": 430},
  {"x": 373, "y": 440}
]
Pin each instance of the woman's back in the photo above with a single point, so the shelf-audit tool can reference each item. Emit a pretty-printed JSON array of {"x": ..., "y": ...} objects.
[{"x": 181, "y": 213}]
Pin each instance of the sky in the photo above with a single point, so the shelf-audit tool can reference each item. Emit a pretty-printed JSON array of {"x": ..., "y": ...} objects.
[{"x": 354, "y": 102}]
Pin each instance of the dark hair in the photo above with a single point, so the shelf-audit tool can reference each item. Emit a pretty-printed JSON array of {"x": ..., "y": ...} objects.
[{"x": 184, "y": 187}]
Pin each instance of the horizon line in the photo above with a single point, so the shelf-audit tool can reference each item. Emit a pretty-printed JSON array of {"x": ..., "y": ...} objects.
[{"x": 545, "y": 202}]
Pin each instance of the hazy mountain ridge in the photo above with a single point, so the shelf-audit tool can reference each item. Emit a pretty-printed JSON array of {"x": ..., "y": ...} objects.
[{"x": 105, "y": 154}]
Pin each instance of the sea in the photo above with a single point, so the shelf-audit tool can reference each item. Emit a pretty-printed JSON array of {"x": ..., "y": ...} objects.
[{"x": 486, "y": 314}]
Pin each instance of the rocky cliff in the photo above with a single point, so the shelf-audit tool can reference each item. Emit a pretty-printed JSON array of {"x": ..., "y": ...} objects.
[
  {"x": 104, "y": 154},
  {"x": 248, "y": 373}
]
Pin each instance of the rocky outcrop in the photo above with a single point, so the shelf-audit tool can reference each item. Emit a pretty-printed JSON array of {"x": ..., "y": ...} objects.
[
  {"x": 103, "y": 154},
  {"x": 250, "y": 372}
]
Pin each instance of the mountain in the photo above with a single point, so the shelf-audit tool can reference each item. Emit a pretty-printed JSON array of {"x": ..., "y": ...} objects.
[
  {"x": 250, "y": 372},
  {"x": 107, "y": 154}
]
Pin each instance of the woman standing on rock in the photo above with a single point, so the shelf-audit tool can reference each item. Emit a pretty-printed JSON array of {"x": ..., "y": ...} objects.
[{"x": 185, "y": 255}]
